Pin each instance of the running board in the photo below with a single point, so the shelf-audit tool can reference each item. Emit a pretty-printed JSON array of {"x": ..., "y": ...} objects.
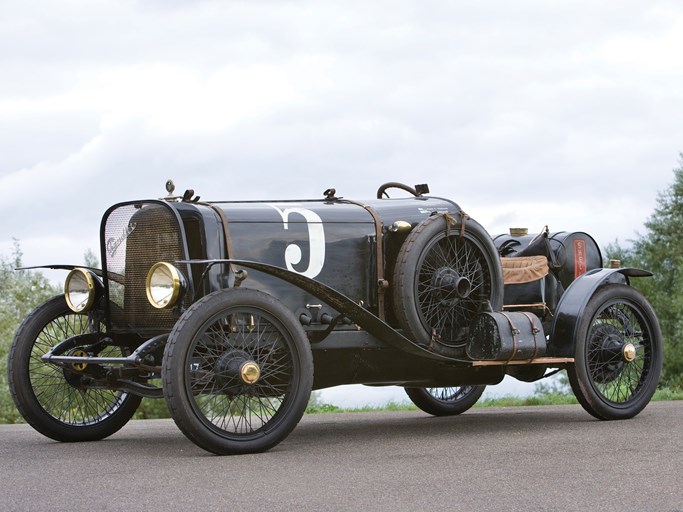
[{"x": 539, "y": 360}]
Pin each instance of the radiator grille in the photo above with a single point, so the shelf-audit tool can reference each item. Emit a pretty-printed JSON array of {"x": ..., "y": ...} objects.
[{"x": 136, "y": 236}]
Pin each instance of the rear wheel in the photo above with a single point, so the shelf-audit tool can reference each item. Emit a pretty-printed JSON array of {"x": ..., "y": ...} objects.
[
  {"x": 54, "y": 400},
  {"x": 618, "y": 356},
  {"x": 447, "y": 401},
  {"x": 237, "y": 372}
]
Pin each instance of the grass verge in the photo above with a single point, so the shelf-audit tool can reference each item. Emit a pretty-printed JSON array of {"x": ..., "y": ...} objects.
[{"x": 505, "y": 401}]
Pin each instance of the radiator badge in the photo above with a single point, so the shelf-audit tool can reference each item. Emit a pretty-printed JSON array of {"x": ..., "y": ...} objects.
[{"x": 114, "y": 243}]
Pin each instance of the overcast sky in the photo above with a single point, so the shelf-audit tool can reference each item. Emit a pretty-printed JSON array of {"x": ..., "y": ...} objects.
[{"x": 526, "y": 113}]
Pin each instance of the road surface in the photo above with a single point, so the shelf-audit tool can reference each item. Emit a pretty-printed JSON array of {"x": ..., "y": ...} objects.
[{"x": 504, "y": 459}]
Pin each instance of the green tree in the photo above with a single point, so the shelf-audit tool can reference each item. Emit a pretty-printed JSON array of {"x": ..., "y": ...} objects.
[
  {"x": 557, "y": 385},
  {"x": 20, "y": 292},
  {"x": 91, "y": 260},
  {"x": 660, "y": 250}
]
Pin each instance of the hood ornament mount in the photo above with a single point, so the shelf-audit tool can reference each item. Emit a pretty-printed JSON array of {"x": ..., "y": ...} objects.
[{"x": 187, "y": 197}]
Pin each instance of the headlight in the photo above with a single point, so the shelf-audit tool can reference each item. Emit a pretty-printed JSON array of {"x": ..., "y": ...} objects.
[
  {"x": 79, "y": 290},
  {"x": 164, "y": 285}
]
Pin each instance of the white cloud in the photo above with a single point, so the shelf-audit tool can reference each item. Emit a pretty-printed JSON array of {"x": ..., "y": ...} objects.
[{"x": 538, "y": 109}]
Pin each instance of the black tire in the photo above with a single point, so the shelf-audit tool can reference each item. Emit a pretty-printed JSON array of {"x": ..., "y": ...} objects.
[
  {"x": 447, "y": 401},
  {"x": 50, "y": 398},
  {"x": 605, "y": 381},
  {"x": 441, "y": 280},
  {"x": 206, "y": 391}
]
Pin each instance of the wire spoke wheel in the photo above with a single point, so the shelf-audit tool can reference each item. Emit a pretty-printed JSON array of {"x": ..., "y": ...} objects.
[
  {"x": 450, "y": 394},
  {"x": 445, "y": 401},
  {"x": 443, "y": 276},
  {"x": 55, "y": 400},
  {"x": 451, "y": 282},
  {"x": 619, "y": 355},
  {"x": 219, "y": 392},
  {"x": 614, "y": 377},
  {"x": 237, "y": 372},
  {"x": 59, "y": 391}
]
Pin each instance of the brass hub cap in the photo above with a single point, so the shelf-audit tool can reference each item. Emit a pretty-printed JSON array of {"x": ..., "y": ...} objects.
[
  {"x": 629, "y": 352},
  {"x": 79, "y": 367},
  {"x": 250, "y": 372}
]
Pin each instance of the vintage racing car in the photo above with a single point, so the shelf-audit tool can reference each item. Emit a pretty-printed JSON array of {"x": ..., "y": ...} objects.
[{"x": 235, "y": 311}]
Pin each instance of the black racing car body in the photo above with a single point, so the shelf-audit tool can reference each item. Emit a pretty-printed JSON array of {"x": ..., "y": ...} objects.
[{"x": 241, "y": 308}]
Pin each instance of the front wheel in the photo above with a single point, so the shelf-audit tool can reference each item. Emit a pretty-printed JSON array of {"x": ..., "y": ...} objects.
[
  {"x": 447, "y": 401},
  {"x": 618, "y": 356},
  {"x": 57, "y": 401},
  {"x": 237, "y": 372}
]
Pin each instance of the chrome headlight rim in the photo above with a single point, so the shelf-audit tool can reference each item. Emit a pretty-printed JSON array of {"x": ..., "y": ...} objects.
[
  {"x": 85, "y": 278},
  {"x": 174, "y": 279}
]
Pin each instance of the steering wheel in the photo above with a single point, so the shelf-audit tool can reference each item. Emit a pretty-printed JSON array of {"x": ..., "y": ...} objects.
[{"x": 381, "y": 191}]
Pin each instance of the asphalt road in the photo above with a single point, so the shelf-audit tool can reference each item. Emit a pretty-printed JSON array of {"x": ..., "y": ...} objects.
[{"x": 516, "y": 459}]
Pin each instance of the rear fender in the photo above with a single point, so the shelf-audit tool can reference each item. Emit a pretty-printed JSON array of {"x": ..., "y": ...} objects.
[{"x": 573, "y": 303}]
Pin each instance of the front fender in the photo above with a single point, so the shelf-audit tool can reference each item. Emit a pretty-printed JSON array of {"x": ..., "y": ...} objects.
[
  {"x": 96, "y": 271},
  {"x": 573, "y": 303}
]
